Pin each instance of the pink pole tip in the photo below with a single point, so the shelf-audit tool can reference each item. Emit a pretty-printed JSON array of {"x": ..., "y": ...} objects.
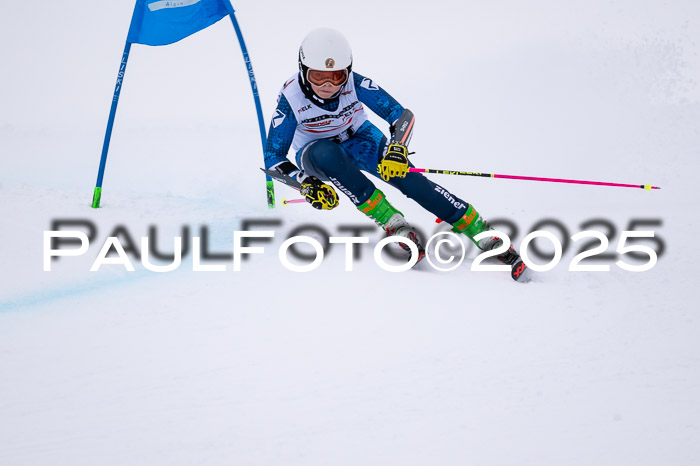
[{"x": 292, "y": 201}]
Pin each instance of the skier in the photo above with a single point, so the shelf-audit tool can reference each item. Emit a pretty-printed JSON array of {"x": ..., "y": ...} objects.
[{"x": 321, "y": 114}]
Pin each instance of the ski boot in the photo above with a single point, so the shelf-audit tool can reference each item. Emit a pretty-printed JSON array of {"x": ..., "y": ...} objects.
[
  {"x": 471, "y": 224},
  {"x": 391, "y": 221}
]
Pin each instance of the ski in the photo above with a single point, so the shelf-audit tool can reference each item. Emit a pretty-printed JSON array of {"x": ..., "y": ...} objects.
[
  {"x": 520, "y": 272},
  {"x": 288, "y": 180},
  {"x": 518, "y": 268},
  {"x": 413, "y": 236}
]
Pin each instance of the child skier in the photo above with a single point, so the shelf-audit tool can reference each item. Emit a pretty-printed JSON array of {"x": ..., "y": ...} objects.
[{"x": 321, "y": 115}]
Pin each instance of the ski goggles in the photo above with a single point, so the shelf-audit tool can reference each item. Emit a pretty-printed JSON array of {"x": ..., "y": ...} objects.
[{"x": 319, "y": 77}]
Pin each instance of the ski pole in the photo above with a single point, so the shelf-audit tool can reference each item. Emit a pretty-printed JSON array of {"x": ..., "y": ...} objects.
[
  {"x": 648, "y": 187},
  {"x": 292, "y": 201}
]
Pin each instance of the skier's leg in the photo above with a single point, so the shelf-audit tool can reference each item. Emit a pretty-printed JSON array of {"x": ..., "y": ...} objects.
[
  {"x": 328, "y": 161},
  {"x": 432, "y": 197},
  {"x": 463, "y": 217},
  {"x": 449, "y": 208},
  {"x": 367, "y": 147}
]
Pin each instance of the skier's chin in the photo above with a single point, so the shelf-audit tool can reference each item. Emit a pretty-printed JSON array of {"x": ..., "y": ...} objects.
[{"x": 326, "y": 93}]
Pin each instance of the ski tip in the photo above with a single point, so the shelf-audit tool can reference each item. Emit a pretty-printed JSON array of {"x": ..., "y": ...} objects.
[
  {"x": 521, "y": 272},
  {"x": 649, "y": 187},
  {"x": 421, "y": 256}
]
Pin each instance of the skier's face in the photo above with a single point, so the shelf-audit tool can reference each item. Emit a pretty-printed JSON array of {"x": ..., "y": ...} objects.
[
  {"x": 326, "y": 83},
  {"x": 326, "y": 90}
]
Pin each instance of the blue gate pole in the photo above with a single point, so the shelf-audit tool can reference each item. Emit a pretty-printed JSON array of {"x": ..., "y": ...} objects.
[
  {"x": 258, "y": 107},
  {"x": 110, "y": 123}
]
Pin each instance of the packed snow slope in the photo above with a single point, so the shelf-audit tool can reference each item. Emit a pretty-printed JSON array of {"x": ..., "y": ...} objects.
[{"x": 268, "y": 366}]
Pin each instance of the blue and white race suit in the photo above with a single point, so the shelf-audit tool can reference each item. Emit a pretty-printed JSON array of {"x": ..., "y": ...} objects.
[{"x": 298, "y": 123}]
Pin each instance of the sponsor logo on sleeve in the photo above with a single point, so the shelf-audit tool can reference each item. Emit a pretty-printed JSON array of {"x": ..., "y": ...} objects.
[
  {"x": 369, "y": 85},
  {"x": 278, "y": 118}
]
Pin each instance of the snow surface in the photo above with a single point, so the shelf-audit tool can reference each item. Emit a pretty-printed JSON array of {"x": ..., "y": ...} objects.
[{"x": 267, "y": 366}]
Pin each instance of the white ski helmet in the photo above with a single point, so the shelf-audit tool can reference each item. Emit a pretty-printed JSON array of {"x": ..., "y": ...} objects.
[{"x": 324, "y": 49}]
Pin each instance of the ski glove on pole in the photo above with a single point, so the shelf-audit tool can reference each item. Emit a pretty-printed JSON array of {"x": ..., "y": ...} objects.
[
  {"x": 394, "y": 163},
  {"x": 320, "y": 195}
]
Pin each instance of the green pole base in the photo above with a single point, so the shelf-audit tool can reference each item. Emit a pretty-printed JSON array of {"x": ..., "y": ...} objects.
[
  {"x": 96, "y": 197},
  {"x": 270, "y": 194}
]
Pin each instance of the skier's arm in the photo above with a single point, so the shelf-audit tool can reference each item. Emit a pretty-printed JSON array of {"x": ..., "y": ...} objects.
[
  {"x": 377, "y": 99},
  {"x": 400, "y": 119},
  {"x": 394, "y": 163},
  {"x": 279, "y": 138}
]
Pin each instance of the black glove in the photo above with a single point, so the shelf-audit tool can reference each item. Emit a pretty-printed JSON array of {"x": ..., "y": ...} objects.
[{"x": 318, "y": 194}]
